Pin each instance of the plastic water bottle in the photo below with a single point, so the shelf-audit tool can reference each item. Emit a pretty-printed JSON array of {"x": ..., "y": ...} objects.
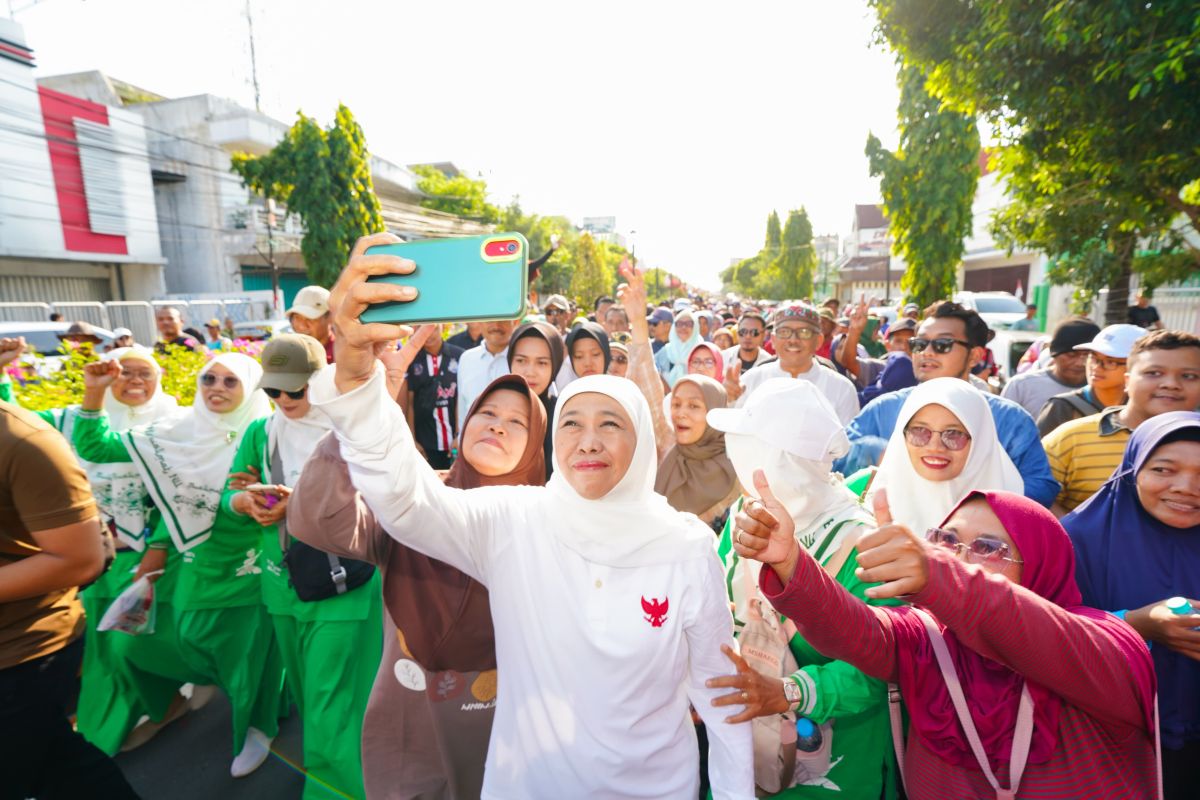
[
  {"x": 1180, "y": 605},
  {"x": 808, "y": 735}
]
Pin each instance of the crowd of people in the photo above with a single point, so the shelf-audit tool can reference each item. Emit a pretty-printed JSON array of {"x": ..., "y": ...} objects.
[{"x": 711, "y": 548}]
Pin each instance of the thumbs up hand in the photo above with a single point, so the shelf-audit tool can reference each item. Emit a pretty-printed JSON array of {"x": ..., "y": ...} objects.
[
  {"x": 892, "y": 556},
  {"x": 764, "y": 530}
]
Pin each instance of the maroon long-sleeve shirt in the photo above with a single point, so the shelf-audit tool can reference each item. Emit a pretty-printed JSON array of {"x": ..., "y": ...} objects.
[{"x": 1105, "y": 746}]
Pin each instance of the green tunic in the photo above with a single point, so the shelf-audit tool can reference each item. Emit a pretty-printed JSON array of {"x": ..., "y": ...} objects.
[
  {"x": 330, "y": 648},
  {"x": 862, "y": 765},
  {"x": 210, "y": 600},
  {"x": 125, "y": 676}
]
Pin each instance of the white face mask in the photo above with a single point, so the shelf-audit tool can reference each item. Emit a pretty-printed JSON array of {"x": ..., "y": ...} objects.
[{"x": 803, "y": 486}]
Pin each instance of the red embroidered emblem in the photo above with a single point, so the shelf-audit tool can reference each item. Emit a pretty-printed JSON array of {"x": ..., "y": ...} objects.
[{"x": 656, "y": 612}]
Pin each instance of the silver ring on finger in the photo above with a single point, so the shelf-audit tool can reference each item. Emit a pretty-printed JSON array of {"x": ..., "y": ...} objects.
[
  {"x": 738, "y": 538},
  {"x": 746, "y": 697}
]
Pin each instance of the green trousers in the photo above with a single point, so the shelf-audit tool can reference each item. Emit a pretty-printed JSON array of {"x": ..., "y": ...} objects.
[
  {"x": 234, "y": 648},
  {"x": 330, "y": 667},
  {"x": 126, "y": 677}
]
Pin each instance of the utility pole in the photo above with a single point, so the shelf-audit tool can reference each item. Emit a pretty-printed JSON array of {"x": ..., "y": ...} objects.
[
  {"x": 253, "y": 60},
  {"x": 275, "y": 293}
]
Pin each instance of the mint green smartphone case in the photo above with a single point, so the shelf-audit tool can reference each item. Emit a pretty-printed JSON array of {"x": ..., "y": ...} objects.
[{"x": 465, "y": 279}]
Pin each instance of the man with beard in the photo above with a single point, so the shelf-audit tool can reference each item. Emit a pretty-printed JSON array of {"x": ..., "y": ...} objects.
[{"x": 797, "y": 333}]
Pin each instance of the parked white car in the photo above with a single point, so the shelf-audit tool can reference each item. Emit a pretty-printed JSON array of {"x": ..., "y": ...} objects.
[
  {"x": 261, "y": 329},
  {"x": 998, "y": 309}
]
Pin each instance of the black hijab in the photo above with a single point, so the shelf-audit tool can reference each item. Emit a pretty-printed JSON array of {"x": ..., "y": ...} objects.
[
  {"x": 548, "y": 334},
  {"x": 590, "y": 330}
]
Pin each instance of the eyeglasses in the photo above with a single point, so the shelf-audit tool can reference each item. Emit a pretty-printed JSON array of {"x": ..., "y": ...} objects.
[
  {"x": 209, "y": 379},
  {"x": 981, "y": 550},
  {"x": 554, "y": 312},
  {"x": 274, "y": 393},
  {"x": 941, "y": 346},
  {"x": 795, "y": 333},
  {"x": 138, "y": 375},
  {"x": 703, "y": 363},
  {"x": 1106, "y": 363},
  {"x": 745, "y": 332},
  {"x": 684, "y": 325},
  {"x": 620, "y": 359},
  {"x": 919, "y": 436}
]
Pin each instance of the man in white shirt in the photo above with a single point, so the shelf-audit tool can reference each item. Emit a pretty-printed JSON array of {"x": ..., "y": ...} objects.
[
  {"x": 481, "y": 365},
  {"x": 797, "y": 336}
]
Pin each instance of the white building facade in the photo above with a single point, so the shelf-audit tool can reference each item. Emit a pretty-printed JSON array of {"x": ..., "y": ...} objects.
[{"x": 77, "y": 211}]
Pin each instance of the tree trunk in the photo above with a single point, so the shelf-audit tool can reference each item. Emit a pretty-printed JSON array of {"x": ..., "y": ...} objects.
[{"x": 1116, "y": 306}]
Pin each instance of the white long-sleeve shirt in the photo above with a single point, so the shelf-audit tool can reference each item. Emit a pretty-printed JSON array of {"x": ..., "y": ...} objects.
[
  {"x": 593, "y": 695},
  {"x": 477, "y": 368},
  {"x": 837, "y": 388}
]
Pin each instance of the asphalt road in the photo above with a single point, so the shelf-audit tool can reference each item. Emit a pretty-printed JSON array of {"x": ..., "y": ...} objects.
[{"x": 189, "y": 760}]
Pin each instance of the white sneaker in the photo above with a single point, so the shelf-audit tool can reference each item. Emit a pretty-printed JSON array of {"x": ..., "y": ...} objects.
[{"x": 254, "y": 753}]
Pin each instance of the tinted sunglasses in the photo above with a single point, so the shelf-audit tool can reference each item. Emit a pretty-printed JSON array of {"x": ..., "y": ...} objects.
[
  {"x": 743, "y": 332},
  {"x": 919, "y": 436},
  {"x": 619, "y": 359},
  {"x": 208, "y": 379},
  {"x": 941, "y": 346},
  {"x": 274, "y": 393},
  {"x": 981, "y": 550}
]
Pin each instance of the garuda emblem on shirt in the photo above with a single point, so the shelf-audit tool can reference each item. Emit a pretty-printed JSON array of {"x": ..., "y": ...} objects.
[{"x": 656, "y": 612}]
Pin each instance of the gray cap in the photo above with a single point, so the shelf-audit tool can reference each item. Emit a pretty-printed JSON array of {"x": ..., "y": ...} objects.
[{"x": 289, "y": 360}]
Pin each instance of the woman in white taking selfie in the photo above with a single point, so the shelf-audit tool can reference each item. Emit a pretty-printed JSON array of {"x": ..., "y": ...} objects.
[{"x": 609, "y": 606}]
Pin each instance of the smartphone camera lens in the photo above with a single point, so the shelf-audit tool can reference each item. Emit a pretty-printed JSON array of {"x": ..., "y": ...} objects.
[{"x": 512, "y": 247}]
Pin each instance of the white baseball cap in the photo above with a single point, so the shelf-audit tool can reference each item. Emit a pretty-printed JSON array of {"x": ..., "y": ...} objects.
[
  {"x": 119, "y": 332},
  {"x": 791, "y": 414},
  {"x": 1115, "y": 341},
  {"x": 311, "y": 302}
]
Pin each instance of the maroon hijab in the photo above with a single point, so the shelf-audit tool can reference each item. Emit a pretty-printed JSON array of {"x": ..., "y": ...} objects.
[
  {"x": 993, "y": 691},
  {"x": 443, "y": 614}
]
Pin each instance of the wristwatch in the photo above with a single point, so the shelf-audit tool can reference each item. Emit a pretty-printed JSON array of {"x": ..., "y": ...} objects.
[{"x": 791, "y": 691}]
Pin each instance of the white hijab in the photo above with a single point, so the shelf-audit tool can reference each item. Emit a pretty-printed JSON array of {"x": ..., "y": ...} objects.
[
  {"x": 118, "y": 489},
  {"x": 298, "y": 438},
  {"x": 184, "y": 460},
  {"x": 922, "y": 504},
  {"x": 632, "y": 525}
]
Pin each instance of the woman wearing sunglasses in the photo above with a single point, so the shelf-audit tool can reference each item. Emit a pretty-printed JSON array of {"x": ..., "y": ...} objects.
[
  {"x": 313, "y": 637},
  {"x": 1013, "y": 687},
  {"x": 211, "y": 626},
  {"x": 944, "y": 446}
]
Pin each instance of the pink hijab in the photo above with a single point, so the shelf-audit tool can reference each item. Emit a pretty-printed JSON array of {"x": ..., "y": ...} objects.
[
  {"x": 993, "y": 691},
  {"x": 716, "y": 354}
]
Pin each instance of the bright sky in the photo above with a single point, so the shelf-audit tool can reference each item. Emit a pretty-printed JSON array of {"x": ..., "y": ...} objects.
[{"x": 688, "y": 122}]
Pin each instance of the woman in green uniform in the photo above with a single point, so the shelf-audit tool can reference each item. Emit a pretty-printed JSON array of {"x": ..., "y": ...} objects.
[
  {"x": 211, "y": 627},
  {"x": 330, "y": 648},
  {"x": 789, "y": 431}
]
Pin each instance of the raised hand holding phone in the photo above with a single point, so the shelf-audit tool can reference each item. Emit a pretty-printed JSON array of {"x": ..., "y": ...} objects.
[{"x": 357, "y": 344}]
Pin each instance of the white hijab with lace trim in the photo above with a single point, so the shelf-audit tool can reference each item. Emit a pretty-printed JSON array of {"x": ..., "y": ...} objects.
[{"x": 184, "y": 460}]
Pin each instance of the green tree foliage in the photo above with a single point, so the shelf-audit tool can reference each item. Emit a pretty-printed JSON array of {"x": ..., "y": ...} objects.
[
  {"x": 928, "y": 186},
  {"x": 774, "y": 241},
  {"x": 593, "y": 276},
  {"x": 460, "y": 195},
  {"x": 793, "y": 269},
  {"x": 1094, "y": 106},
  {"x": 324, "y": 176}
]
